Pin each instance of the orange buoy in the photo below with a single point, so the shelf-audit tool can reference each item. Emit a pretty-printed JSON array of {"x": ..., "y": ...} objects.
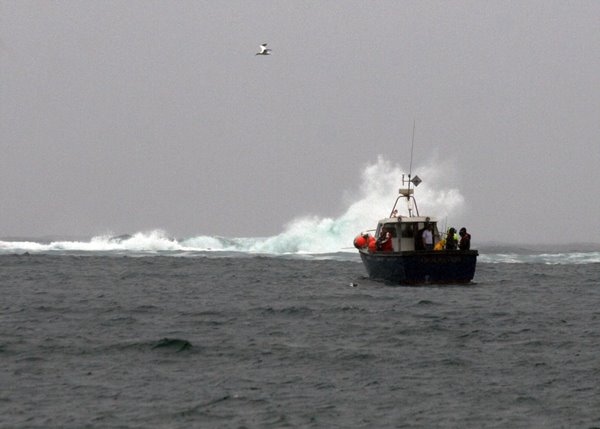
[
  {"x": 372, "y": 244},
  {"x": 360, "y": 241}
]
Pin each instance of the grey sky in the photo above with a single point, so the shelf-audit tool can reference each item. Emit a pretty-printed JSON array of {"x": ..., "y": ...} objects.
[{"x": 130, "y": 115}]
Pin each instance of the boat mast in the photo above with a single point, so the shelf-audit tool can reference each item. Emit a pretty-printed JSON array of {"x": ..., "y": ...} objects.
[
  {"x": 410, "y": 179},
  {"x": 412, "y": 146},
  {"x": 408, "y": 192}
]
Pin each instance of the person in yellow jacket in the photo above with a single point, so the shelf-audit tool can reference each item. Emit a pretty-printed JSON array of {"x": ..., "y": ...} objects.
[{"x": 440, "y": 245}]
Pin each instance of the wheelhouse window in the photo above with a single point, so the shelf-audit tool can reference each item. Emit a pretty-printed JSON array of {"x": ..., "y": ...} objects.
[
  {"x": 391, "y": 227},
  {"x": 407, "y": 230}
]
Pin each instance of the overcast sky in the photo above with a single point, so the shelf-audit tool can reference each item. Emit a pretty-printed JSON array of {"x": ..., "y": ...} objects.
[{"x": 125, "y": 116}]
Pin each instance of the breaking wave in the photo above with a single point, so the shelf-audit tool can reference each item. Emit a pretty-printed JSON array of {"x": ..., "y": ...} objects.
[
  {"x": 313, "y": 236},
  {"x": 303, "y": 235},
  {"x": 285, "y": 244}
]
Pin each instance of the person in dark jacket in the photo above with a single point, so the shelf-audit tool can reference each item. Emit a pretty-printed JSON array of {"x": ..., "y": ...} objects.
[
  {"x": 465, "y": 239},
  {"x": 451, "y": 241},
  {"x": 419, "y": 239}
]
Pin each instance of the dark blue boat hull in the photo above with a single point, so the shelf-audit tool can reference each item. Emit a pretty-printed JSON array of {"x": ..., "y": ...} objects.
[{"x": 421, "y": 267}]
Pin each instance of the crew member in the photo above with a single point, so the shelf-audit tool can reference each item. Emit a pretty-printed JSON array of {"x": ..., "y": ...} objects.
[
  {"x": 428, "y": 237},
  {"x": 465, "y": 239},
  {"x": 384, "y": 242},
  {"x": 419, "y": 238},
  {"x": 451, "y": 241}
]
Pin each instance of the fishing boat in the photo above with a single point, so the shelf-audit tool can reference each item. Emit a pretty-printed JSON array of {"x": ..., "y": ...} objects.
[{"x": 395, "y": 253}]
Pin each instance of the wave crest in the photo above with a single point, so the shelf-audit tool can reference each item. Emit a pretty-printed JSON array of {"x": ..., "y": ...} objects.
[{"x": 303, "y": 235}]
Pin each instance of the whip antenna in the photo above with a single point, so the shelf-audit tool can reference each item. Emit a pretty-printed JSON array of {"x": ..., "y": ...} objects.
[
  {"x": 412, "y": 146},
  {"x": 407, "y": 192}
]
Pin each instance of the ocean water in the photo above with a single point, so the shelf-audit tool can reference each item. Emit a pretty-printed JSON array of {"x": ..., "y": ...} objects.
[{"x": 152, "y": 332}]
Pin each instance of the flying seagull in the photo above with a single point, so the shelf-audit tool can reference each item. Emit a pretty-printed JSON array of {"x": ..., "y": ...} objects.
[{"x": 264, "y": 50}]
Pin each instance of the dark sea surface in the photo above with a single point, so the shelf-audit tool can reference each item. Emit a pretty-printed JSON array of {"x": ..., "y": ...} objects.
[{"x": 226, "y": 341}]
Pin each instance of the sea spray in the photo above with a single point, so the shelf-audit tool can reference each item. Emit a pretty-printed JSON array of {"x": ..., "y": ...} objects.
[
  {"x": 304, "y": 235},
  {"x": 314, "y": 234}
]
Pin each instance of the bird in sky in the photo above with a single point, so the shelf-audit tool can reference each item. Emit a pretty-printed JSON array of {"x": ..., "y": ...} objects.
[{"x": 264, "y": 50}]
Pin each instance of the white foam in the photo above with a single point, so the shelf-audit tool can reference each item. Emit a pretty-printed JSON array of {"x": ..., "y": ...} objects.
[
  {"x": 574, "y": 258},
  {"x": 304, "y": 235}
]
